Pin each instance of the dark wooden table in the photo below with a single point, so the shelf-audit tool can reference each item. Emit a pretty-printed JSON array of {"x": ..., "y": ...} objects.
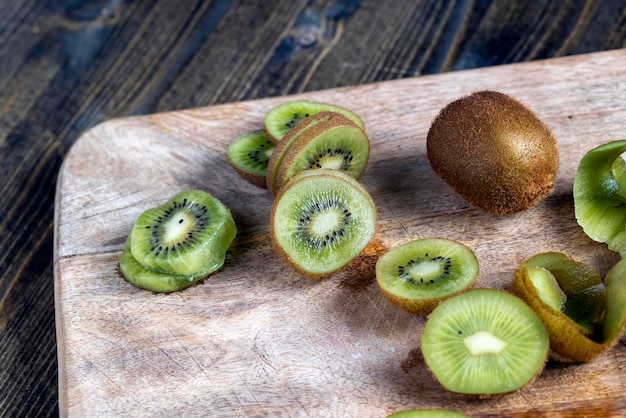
[{"x": 68, "y": 65}]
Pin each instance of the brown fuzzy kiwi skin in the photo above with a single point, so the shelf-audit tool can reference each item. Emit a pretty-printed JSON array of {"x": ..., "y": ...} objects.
[
  {"x": 287, "y": 141},
  {"x": 278, "y": 248},
  {"x": 568, "y": 340},
  {"x": 494, "y": 152}
]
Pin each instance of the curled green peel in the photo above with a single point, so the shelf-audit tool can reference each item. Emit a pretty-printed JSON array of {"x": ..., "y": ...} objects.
[{"x": 600, "y": 195}]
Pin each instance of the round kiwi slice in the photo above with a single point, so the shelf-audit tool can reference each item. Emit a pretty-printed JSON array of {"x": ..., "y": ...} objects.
[
  {"x": 593, "y": 314},
  {"x": 321, "y": 220},
  {"x": 484, "y": 343},
  {"x": 288, "y": 140},
  {"x": 600, "y": 195},
  {"x": 428, "y": 413},
  {"x": 187, "y": 235},
  {"x": 154, "y": 280},
  {"x": 494, "y": 152},
  {"x": 249, "y": 155},
  {"x": 335, "y": 143},
  {"x": 420, "y": 274},
  {"x": 281, "y": 118}
]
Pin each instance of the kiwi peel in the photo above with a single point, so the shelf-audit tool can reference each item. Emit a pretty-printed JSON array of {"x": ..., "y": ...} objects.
[
  {"x": 484, "y": 343},
  {"x": 249, "y": 155},
  {"x": 281, "y": 118},
  {"x": 600, "y": 195},
  {"x": 322, "y": 220},
  {"x": 494, "y": 152},
  {"x": 418, "y": 275},
  {"x": 186, "y": 236},
  {"x": 593, "y": 315}
]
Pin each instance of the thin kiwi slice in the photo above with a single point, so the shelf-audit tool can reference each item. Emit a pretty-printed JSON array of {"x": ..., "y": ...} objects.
[
  {"x": 321, "y": 220},
  {"x": 420, "y": 274},
  {"x": 428, "y": 413},
  {"x": 249, "y": 155},
  {"x": 154, "y": 280},
  {"x": 484, "y": 343},
  {"x": 281, "y": 118},
  {"x": 335, "y": 143},
  {"x": 593, "y": 315},
  {"x": 187, "y": 235},
  {"x": 289, "y": 139},
  {"x": 600, "y": 195}
]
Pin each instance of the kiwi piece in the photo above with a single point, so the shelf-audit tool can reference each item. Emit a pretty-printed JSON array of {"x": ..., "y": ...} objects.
[
  {"x": 187, "y": 235},
  {"x": 494, "y": 152},
  {"x": 288, "y": 140},
  {"x": 321, "y": 220},
  {"x": 574, "y": 331},
  {"x": 154, "y": 280},
  {"x": 249, "y": 155},
  {"x": 418, "y": 275},
  {"x": 428, "y": 413},
  {"x": 281, "y": 118},
  {"x": 600, "y": 195},
  {"x": 484, "y": 343},
  {"x": 334, "y": 143},
  {"x": 547, "y": 287}
]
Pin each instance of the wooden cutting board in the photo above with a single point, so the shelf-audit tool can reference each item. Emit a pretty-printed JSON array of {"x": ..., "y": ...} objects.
[{"x": 256, "y": 339}]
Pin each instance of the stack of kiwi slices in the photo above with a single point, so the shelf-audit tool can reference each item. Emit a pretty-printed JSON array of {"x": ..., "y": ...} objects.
[
  {"x": 310, "y": 156},
  {"x": 584, "y": 315},
  {"x": 316, "y": 135},
  {"x": 172, "y": 246}
]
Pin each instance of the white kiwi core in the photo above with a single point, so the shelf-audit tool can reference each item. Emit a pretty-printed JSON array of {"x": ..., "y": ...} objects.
[
  {"x": 483, "y": 342},
  {"x": 325, "y": 222}
]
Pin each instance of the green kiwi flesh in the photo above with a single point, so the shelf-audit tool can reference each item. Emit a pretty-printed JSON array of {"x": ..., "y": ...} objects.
[
  {"x": 547, "y": 287},
  {"x": 187, "y": 235},
  {"x": 154, "y": 280},
  {"x": 494, "y": 152},
  {"x": 336, "y": 144},
  {"x": 281, "y": 118},
  {"x": 581, "y": 331},
  {"x": 277, "y": 157},
  {"x": 600, "y": 195},
  {"x": 249, "y": 155},
  {"x": 484, "y": 343},
  {"x": 418, "y": 275},
  {"x": 321, "y": 220},
  {"x": 427, "y": 413}
]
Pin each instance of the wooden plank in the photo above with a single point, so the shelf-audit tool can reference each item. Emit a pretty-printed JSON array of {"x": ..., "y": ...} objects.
[{"x": 256, "y": 339}]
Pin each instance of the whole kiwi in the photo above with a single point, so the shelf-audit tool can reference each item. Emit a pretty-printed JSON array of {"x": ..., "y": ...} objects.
[{"x": 494, "y": 152}]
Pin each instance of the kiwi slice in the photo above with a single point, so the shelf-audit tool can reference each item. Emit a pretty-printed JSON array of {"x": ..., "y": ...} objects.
[
  {"x": 289, "y": 139},
  {"x": 484, "y": 343},
  {"x": 428, "y": 413},
  {"x": 593, "y": 314},
  {"x": 249, "y": 155},
  {"x": 494, "y": 152},
  {"x": 187, "y": 235},
  {"x": 334, "y": 143},
  {"x": 600, "y": 195},
  {"x": 420, "y": 274},
  {"x": 281, "y": 118},
  {"x": 154, "y": 280},
  {"x": 321, "y": 220}
]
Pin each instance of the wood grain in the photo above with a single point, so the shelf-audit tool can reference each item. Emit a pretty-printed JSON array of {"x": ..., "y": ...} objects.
[
  {"x": 71, "y": 64},
  {"x": 256, "y": 339}
]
